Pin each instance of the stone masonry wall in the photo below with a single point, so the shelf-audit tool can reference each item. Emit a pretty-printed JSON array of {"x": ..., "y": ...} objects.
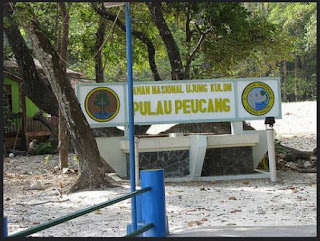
[
  {"x": 223, "y": 161},
  {"x": 217, "y": 161},
  {"x": 174, "y": 163}
]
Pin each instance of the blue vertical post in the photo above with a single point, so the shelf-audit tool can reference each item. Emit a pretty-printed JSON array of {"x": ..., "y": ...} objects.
[
  {"x": 5, "y": 227},
  {"x": 131, "y": 118},
  {"x": 153, "y": 203}
]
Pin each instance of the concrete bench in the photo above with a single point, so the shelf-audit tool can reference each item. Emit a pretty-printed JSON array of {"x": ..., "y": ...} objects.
[{"x": 114, "y": 149}]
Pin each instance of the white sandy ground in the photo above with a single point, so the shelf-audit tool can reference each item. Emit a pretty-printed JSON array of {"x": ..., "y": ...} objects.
[{"x": 291, "y": 201}]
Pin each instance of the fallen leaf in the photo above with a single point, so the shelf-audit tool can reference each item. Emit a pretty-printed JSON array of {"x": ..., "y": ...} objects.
[
  {"x": 36, "y": 223},
  {"x": 311, "y": 205},
  {"x": 190, "y": 210},
  {"x": 98, "y": 211},
  {"x": 231, "y": 224},
  {"x": 37, "y": 177},
  {"x": 60, "y": 185},
  {"x": 204, "y": 219},
  {"x": 232, "y": 198},
  {"x": 235, "y": 211},
  {"x": 213, "y": 182},
  {"x": 194, "y": 223},
  {"x": 75, "y": 157},
  {"x": 245, "y": 182}
]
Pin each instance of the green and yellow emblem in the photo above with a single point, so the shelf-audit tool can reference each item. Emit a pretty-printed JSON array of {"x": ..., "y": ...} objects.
[
  {"x": 257, "y": 98},
  {"x": 102, "y": 104}
]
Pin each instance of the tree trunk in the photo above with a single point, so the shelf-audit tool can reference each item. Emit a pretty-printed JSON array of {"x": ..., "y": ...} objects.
[
  {"x": 36, "y": 88},
  {"x": 296, "y": 78},
  {"x": 92, "y": 168},
  {"x": 63, "y": 130},
  {"x": 100, "y": 35},
  {"x": 285, "y": 80},
  {"x": 65, "y": 33},
  {"x": 192, "y": 55},
  {"x": 63, "y": 146},
  {"x": 57, "y": 29},
  {"x": 267, "y": 8},
  {"x": 177, "y": 72},
  {"x": 263, "y": 9},
  {"x": 101, "y": 10}
]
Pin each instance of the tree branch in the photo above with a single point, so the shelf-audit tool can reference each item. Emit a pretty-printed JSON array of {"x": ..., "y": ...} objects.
[
  {"x": 192, "y": 54},
  {"x": 101, "y": 10},
  {"x": 39, "y": 117}
]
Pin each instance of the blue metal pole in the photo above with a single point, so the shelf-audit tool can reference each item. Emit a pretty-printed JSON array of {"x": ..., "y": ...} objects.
[
  {"x": 5, "y": 227},
  {"x": 153, "y": 203},
  {"x": 131, "y": 118}
]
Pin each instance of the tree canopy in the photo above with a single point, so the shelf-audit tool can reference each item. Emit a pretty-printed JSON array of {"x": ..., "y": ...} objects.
[{"x": 199, "y": 39}]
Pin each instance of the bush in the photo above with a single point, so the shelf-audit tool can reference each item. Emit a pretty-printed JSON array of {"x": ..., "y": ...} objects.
[{"x": 43, "y": 148}]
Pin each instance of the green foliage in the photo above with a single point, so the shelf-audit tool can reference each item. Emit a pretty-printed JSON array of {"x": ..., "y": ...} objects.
[
  {"x": 82, "y": 29},
  {"x": 48, "y": 14},
  {"x": 295, "y": 40},
  {"x": 7, "y": 51},
  {"x": 242, "y": 40},
  {"x": 43, "y": 148}
]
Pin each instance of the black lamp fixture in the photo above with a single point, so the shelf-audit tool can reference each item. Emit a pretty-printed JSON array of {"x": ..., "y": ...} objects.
[{"x": 269, "y": 121}]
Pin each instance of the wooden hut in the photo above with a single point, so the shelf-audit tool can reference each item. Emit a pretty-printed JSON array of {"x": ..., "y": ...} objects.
[{"x": 23, "y": 128}]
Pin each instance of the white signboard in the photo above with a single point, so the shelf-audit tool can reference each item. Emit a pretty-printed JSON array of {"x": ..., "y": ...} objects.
[{"x": 181, "y": 101}]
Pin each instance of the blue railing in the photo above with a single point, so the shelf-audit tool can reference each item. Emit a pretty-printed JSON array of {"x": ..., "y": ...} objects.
[{"x": 151, "y": 219}]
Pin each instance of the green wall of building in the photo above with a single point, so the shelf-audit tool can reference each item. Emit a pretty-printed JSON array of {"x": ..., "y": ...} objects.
[{"x": 31, "y": 108}]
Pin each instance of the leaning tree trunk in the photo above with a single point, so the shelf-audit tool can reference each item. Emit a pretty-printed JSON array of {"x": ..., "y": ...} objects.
[
  {"x": 296, "y": 78},
  {"x": 63, "y": 130},
  {"x": 37, "y": 89},
  {"x": 100, "y": 35},
  {"x": 177, "y": 72},
  {"x": 92, "y": 168}
]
